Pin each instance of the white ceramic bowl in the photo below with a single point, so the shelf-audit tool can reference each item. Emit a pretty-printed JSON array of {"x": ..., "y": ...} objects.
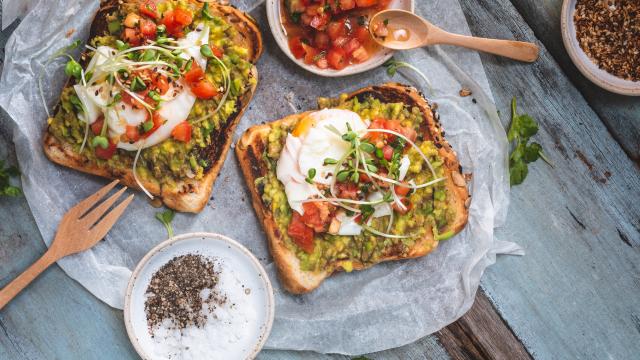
[
  {"x": 586, "y": 66},
  {"x": 278, "y": 31},
  {"x": 242, "y": 268}
]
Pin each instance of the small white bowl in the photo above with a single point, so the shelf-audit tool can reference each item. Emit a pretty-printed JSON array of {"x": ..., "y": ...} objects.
[
  {"x": 242, "y": 270},
  {"x": 377, "y": 59},
  {"x": 582, "y": 61}
]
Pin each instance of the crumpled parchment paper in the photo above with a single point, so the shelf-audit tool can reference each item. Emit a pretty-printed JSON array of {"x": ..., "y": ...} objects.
[{"x": 387, "y": 306}]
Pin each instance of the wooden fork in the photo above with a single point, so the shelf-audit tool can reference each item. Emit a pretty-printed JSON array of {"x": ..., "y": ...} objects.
[{"x": 80, "y": 229}]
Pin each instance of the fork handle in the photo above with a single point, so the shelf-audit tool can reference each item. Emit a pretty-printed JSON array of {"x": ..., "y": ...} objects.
[{"x": 14, "y": 287}]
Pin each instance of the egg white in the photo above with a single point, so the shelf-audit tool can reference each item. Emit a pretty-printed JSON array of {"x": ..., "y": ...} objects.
[{"x": 174, "y": 110}]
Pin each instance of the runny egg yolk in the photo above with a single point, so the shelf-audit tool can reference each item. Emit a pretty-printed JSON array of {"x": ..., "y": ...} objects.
[{"x": 303, "y": 126}]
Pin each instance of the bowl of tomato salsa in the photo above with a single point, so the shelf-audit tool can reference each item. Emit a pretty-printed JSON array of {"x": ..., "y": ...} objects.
[{"x": 330, "y": 37}]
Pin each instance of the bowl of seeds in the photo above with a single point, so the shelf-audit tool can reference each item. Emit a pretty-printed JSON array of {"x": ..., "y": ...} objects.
[
  {"x": 602, "y": 38},
  {"x": 199, "y": 296}
]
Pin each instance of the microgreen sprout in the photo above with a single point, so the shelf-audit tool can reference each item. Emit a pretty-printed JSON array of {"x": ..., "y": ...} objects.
[
  {"x": 393, "y": 65},
  {"x": 166, "y": 217},
  {"x": 205, "y": 12},
  {"x": 310, "y": 175}
]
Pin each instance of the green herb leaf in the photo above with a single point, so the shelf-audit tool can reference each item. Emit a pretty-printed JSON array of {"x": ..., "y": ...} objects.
[
  {"x": 121, "y": 45},
  {"x": 205, "y": 50},
  {"x": 6, "y": 189},
  {"x": 147, "y": 125},
  {"x": 114, "y": 27},
  {"x": 154, "y": 95},
  {"x": 161, "y": 29},
  {"x": 100, "y": 141},
  {"x": 330, "y": 161},
  {"x": 166, "y": 217},
  {"x": 295, "y": 17},
  {"x": 205, "y": 12},
  {"x": 137, "y": 84},
  {"x": 343, "y": 175},
  {"x": 310, "y": 175},
  {"x": 367, "y": 147},
  {"x": 521, "y": 129},
  {"x": 148, "y": 55},
  {"x": 517, "y": 172},
  {"x": 531, "y": 152},
  {"x": 74, "y": 69}
]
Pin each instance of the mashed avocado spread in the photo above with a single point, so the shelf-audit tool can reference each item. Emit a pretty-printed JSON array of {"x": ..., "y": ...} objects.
[
  {"x": 170, "y": 160},
  {"x": 430, "y": 211}
]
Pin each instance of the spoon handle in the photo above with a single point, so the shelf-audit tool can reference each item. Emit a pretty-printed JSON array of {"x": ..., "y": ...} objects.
[{"x": 517, "y": 50}]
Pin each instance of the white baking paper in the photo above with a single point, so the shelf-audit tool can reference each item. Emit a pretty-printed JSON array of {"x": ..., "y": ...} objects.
[{"x": 387, "y": 306}]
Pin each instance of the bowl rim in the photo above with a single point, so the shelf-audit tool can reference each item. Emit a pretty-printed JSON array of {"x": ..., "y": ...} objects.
[
  {"x": 588, "y": 68},
  {"x": 273, "y": 12},
  {"x": 208, "y": 236}
]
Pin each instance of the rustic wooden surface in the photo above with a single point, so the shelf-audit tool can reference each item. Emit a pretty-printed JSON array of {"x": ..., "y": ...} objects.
[{"x": 576, "y": 294}]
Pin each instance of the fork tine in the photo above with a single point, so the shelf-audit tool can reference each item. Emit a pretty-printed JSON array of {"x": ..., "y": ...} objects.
[
  {"x": 91, "y": 217},
  {"x": 87, "y": 203},
  {"x": 103, "y": 226}
]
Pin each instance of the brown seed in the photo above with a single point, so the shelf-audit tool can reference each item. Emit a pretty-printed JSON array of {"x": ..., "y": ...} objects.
[
  {"x": 464, "y": 92},
  {"x": 458, "y": 180}
]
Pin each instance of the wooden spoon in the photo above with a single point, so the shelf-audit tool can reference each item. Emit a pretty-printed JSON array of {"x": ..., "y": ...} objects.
[
  {"x": 406, "y": 30},
  {"x": 81, "y": 228}
]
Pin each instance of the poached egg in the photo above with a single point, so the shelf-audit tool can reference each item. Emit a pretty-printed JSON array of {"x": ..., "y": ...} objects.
[
  {"x": 311, "y": 142},
  {"x": 174, "y": 110}
]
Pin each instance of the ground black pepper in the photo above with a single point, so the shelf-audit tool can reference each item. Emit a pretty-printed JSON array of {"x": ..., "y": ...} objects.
[
  {"x": 184, "y": 290},
  {"x": 608, "y": 31}
]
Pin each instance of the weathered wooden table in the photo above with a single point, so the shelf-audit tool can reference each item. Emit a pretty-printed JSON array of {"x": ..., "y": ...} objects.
[{"x": 576, "y": 294}]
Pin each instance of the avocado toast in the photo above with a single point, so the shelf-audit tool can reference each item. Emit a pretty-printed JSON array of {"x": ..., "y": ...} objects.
[
  {"x": 156, "y": 97},
  {"x": 369, "y": 178}
]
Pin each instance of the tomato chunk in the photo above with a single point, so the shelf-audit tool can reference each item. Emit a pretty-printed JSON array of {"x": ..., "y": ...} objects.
[
  {"x": 218, "y": 52},
  {"x": 106, "y": 154},
  {"x": 402, "y": 190},
  {"x": 148, "y": 28},
  {"x": 300, "y": 233},
  {"x": 182, "y": 132},
  {"x": 132, "y": 133},
  {"x": 310, "y": 54},
  {"x": 96, "y": 127},
  {"x": 194, "y": 74},
  {"x": 337, "y": 58},
  {"x": 387, "y": 152},
  {"x": 182, "y": 17},
  {"x": 347, "y": 190},
  {"x": 295, "y": 44},
  {"x": 204, "y": 89},
  {"x": 317, "y": 215},
  {"x": 351, "y": 45},
  {"x": 148, "y": 8},
  {"x": 132, "y": 36},
  {"x": 366, "y": 3}
]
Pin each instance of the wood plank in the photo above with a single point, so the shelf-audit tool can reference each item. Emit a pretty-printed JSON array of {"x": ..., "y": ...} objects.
[
  {"x": 481, "y": 334},
  {"x": 576, "y": 294},
  {"x": 620, "y": 114}
]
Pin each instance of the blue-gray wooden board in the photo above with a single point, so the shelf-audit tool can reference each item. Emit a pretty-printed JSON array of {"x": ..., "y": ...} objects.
[{"x": 576, "y": 294}]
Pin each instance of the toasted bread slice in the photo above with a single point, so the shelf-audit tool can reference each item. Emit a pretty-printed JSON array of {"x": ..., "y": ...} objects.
[
  {"x": 250, "y": 149},
  {"x": 189, "y": 195}
]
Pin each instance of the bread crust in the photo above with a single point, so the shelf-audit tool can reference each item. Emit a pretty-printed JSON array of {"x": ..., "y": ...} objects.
[
  {"x": 189, "y": 195},
  {"x": 250, "y": 148}
]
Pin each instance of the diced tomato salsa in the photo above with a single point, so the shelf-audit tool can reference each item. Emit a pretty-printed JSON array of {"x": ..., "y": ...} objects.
[{"x": 330, "y": 33}]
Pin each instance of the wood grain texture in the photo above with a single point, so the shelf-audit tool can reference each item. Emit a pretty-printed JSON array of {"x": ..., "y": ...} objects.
[
  {"x": 481, "y": 334},
  {"x": 576, "y": 293},
  {"x": 620, "y": 114}
]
